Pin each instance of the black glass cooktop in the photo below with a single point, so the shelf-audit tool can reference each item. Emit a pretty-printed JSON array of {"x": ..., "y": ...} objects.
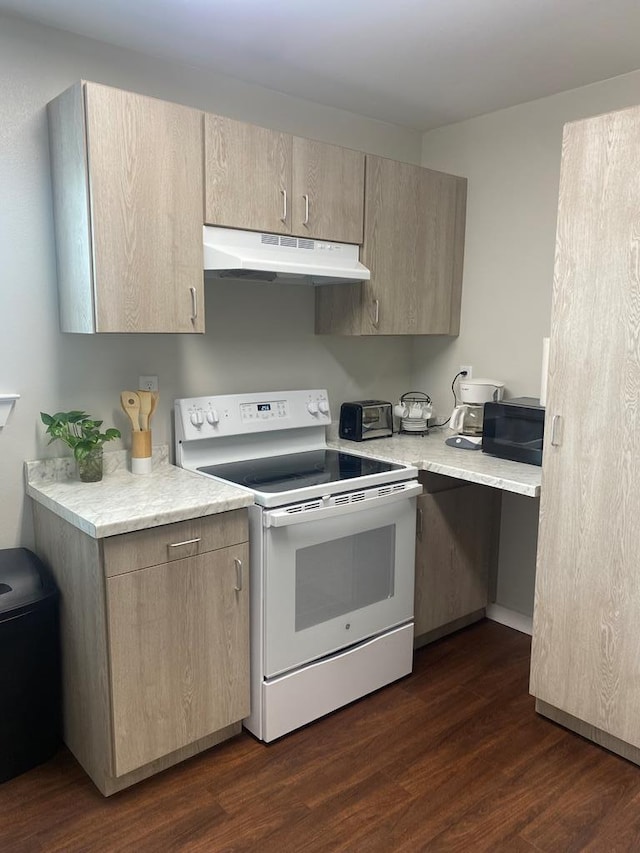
[{"x": 298, "y": 470}]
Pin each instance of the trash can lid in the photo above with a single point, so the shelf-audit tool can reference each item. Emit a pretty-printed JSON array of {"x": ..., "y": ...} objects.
[{"x": 23, "y": 579}]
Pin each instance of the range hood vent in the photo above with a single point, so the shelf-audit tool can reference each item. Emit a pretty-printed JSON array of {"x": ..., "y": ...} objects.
[{"x": 255, "y": 256}]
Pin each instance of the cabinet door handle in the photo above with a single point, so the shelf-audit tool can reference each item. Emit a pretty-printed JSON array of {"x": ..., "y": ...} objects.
[
  {"x": 305, "y": 221},
  {"x": 556, "y": 430},
  {"x": 376, "y": 312},
  {"x": 419, "y": 522},
  {"x": 283, "y": 218},
  {"x": 194, "y": 304},
  {"x": 186, "y": 542},
  {"x": 238, "y": 586}
]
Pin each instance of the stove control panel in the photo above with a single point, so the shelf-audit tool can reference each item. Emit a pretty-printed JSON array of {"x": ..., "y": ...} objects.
[
  {"x": 243, "y": 414},
  {"x": 266, "y": 410}
]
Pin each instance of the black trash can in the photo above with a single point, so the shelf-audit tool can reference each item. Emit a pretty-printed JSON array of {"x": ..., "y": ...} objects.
[{"x": 30, "y": 695}]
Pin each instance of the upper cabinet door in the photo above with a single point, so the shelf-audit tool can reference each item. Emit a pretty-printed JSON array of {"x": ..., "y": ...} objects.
[
  {"x": 145, "y": 159},
  {"x": 127, "y": 190},
  {"x": 328, "y": 191},
  {"x": 413, "y": 244},
  {"x": 263, "y": 180},
  {"x": 248, "y": 176}
]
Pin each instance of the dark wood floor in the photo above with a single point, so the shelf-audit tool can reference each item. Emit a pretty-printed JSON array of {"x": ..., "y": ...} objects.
[{"x": 451, "y": 758}]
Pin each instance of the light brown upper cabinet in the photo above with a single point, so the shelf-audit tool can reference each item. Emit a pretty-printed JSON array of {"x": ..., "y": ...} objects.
[
  {"x": 263, "y": 180},
  {"x": 328, "y": 191},
  {"x": 414, "y": 246},
  {"x": 127, "y": 197}
]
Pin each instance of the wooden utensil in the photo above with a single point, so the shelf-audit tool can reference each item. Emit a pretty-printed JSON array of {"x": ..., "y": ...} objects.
[
  {"x": 154, "y": 403},
  {"x": 146, "y": 401},
  {"x": 130, "y": 402}
]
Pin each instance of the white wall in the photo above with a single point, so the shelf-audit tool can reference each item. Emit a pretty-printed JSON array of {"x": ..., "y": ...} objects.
[
  {"x": 262, "y": 338},
  {"x": 258, "y": 338},
  {"x": 512, "y": 160}
]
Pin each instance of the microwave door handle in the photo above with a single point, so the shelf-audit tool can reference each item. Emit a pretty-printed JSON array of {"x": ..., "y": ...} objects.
[{"x": 285, "y": 518}]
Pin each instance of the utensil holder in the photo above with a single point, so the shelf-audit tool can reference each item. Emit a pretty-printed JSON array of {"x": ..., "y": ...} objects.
[{"x": 141, "y": 462}]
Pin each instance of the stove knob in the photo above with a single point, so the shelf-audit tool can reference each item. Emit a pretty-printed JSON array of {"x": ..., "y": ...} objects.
[
  {"x": 312, "y": 407},
  {"x": 212, "y": 417},
  {"x": 197, "y": 418},
  {"x": 323, "y": 406}
]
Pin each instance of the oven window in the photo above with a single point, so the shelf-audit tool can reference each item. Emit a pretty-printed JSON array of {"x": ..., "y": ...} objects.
[{"x": 337, "y": 577}]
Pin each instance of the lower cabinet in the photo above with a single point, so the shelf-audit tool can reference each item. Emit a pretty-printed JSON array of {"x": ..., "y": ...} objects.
[
  {"x": 155, "y": 641},
  {"x": 456, "y": 546}
]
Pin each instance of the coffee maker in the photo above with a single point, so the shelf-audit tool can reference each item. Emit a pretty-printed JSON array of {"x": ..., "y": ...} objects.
[{"x": 466, "y": 419}]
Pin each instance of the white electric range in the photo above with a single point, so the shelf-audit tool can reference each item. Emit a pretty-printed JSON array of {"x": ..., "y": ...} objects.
[{"x": 332, "y": 542}]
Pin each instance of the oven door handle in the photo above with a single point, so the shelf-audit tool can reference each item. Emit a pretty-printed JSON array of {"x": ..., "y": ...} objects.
[{"x": 287, "y": 516}]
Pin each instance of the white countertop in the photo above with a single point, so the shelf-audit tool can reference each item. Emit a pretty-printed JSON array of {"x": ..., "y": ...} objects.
[
  {"x": 430, "y": 453},
  {"x": 122, "y": 502}
]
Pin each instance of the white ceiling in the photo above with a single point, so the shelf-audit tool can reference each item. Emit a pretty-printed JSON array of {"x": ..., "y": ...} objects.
[{"x": 418, "y": 63}]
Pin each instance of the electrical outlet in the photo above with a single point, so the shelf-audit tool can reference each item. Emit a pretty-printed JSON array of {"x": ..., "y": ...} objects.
[
  {"x": 148, "y": 383},
  {"x": 469, "y": 370}
]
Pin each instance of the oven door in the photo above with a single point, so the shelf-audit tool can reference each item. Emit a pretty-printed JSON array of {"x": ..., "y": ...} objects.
[{"x": 336, "y": 571}]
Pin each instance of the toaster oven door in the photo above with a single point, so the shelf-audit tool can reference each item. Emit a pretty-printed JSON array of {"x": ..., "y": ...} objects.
[{"x": 376, "y": 421}]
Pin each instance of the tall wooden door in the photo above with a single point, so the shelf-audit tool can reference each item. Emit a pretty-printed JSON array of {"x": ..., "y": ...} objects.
[{"x": 586, "y": 639}]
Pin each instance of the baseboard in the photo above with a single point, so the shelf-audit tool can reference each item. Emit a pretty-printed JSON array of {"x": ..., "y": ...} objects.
[
  {"x": 449, "y": 628},
  {"x": 593, "y": 733},
  {"x": 510, "y": 618}
]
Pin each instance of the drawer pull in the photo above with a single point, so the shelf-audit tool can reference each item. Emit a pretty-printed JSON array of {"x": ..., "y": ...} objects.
[
  {"x": 238, "y": 586},
  {"x": 186, "y": 542},
  {"x": 419, "y": 522}
]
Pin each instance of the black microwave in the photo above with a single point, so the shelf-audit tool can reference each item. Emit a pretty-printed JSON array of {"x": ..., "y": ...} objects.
[{"x": 514, "y": 429}]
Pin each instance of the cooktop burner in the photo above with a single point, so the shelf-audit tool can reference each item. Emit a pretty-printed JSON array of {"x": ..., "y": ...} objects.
[{"x": 298, "y": 470}]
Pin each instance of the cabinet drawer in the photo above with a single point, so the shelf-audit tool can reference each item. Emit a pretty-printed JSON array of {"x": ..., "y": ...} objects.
[{"x": 157, "y": 545}]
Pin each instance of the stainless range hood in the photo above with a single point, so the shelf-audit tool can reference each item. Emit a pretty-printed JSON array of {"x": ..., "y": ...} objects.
[{"x": 253, "y": 255}]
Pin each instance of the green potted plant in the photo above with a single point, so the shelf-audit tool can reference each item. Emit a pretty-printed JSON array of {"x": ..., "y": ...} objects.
[{"x": 82, "y": 434}]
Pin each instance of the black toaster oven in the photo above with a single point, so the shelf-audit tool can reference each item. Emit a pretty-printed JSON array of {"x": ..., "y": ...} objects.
[{"x": 365, "y": 419}]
